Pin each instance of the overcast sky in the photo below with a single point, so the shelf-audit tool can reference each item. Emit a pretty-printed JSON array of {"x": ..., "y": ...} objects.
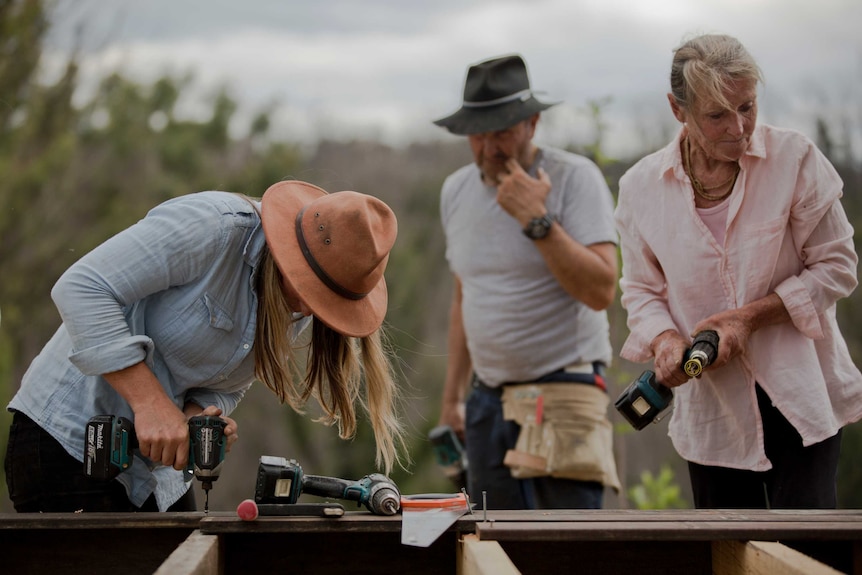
[{"x": 387, "y": 68}]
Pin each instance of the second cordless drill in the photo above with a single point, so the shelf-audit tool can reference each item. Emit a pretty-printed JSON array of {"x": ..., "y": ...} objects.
[
  {"x": 281, "y": 481},
  {"x": 110, "y": 441},
  {"x": 645, "y": 398}
]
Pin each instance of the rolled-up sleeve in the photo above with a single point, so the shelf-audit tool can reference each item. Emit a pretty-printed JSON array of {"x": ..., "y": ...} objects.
[
  {"x": 820, "y": 226},
  {"x": 169, "y": 247}
]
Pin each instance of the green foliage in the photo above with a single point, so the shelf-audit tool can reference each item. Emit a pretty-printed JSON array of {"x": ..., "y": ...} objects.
[{"x": 657, "y": 492}]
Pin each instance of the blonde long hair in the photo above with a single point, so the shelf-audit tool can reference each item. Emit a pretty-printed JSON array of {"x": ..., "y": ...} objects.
[{"x": 334, "y": 372}]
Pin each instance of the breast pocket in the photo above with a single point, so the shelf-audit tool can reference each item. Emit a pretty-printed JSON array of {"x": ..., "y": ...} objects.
[
  {"x": 755, "y": 259},
  {"x": 198, "y": 337}
]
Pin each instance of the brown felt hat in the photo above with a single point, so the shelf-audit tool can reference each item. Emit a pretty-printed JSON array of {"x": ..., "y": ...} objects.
[
  {"x": 497, "y": 95},
  {"x": 332, "y": 249}
]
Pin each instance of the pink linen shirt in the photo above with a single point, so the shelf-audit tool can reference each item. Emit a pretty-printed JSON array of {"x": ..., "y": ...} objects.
[{"x": 786, "y": 233}]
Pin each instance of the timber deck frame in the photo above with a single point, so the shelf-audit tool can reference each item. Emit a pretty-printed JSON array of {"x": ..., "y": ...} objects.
[{"x": 598, "y": 542}]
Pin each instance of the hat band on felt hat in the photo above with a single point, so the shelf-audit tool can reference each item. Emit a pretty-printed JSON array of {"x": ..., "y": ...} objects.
[
  {"x": 315, "y": 266},
  {"x": 522, "y": 95}
]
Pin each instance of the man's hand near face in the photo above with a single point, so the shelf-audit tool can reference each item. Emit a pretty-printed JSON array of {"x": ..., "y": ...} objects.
[{"x": 521, "y": 195}]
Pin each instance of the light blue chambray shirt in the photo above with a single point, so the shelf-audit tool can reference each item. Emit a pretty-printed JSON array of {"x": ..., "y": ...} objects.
[{"x": 176, "y": 290}]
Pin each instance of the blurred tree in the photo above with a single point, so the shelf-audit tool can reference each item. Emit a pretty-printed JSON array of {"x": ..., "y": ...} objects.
[{"x": 22, "y": 25}]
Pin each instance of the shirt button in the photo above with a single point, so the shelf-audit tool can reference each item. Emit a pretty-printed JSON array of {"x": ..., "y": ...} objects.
[{"x": 245, "y": 346}]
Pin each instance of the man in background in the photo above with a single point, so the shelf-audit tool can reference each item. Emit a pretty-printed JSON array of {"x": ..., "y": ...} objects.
[{"x": 532, "y": 245}]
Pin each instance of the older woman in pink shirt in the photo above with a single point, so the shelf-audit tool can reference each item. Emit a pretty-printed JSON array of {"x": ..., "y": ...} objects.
[{"x": 738, "y": 228}]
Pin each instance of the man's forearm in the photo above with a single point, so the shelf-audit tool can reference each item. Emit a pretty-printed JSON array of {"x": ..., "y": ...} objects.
[{"x": 587, "y": 273}]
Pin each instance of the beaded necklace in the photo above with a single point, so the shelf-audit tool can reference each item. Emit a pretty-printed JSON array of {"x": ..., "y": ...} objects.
[{"x": 699, "y": 188}]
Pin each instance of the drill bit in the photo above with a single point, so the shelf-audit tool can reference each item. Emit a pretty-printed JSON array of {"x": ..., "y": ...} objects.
[{"x": 206, "y": 487}]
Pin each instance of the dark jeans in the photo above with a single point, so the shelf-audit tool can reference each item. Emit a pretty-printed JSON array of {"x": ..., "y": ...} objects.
[
  {"x": 487, "y": 437},
  {"x": 42, "y": 476},
  {"x": 800, "y": 478}
]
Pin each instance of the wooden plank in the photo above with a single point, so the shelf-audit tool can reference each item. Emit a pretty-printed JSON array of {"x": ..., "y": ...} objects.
[
  {"x": 348, "y": 523},
  {"x": 197, "y": 555},
  {"x": 87, "y": 551},
  {"x": 91, "y": 543},
  {"x": 354, "y": 552},
  {"x": 697, "y": 515},
  {"x": 18, "y": 521},
  {"x": 477, "y": 557},
  {"x": 666, "y": 531},
  {"x": 763, "y": 558},
  {"x": 610, "y": 557}
]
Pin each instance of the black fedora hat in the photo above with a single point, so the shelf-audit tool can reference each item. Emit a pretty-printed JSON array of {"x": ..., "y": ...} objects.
[{"x": 497, "y": 95}]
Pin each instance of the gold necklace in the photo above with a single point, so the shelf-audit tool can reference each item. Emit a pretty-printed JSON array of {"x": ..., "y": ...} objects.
[{"x": 699, "y": 188}]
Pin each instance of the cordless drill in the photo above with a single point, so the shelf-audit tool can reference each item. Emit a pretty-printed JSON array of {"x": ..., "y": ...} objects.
[
  {"x": 645, "y": 398},
  {"x": 207, "y": 443},
  {"x": 281, "y": 481},
  {"x": 450, "y": 454},
  {"x": 110, "y": 441}
]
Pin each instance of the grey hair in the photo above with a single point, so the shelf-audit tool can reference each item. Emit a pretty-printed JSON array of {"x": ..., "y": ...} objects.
[{"x": 704, "y": 66}]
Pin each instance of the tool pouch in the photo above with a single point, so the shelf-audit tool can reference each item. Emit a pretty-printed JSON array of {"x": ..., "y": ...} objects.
[{"x": 565, "y": 432}]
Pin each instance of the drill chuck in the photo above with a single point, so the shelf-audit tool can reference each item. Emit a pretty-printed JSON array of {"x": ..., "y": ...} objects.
[
  {"x": 703, "y": 351},
  {"x": 384, "y": 499},
  {"x": 695, "y": 363}
]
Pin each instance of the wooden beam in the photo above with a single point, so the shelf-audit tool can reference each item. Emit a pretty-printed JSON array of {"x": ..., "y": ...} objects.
[
  {"x": 197, "y": 555},
  {"x": 477, "y": 557},
  {"x": 763, "y": 558}
]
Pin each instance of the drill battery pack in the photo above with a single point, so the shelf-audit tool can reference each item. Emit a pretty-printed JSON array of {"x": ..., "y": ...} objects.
[
  {"x": 108, "y": 446},
  {"x": 279, "y": 480},
  {"x": 643, "y": 400}
]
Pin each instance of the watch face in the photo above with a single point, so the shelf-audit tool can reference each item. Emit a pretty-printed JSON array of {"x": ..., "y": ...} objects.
[{"x": 538, "y": 228}]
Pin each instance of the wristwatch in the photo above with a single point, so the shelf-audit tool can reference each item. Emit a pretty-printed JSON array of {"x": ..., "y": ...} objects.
[{"x": 538, "y": 228}]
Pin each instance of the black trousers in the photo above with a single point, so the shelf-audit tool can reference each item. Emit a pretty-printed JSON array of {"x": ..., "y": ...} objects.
[
  {"x": 42, "y": 476},
  {"x": 800, "y": 478}
]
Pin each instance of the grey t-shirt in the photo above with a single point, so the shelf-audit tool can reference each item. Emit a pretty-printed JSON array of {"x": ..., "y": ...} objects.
[{"x": 520, "y": 323}]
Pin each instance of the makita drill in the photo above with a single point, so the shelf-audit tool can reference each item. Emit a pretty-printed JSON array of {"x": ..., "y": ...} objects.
[
  {"x": 110, "y": 441},
  {"x": 281, "y": 481},
  {"x": 207, "y": 443},
  {"x": 645, "y": 398}
]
